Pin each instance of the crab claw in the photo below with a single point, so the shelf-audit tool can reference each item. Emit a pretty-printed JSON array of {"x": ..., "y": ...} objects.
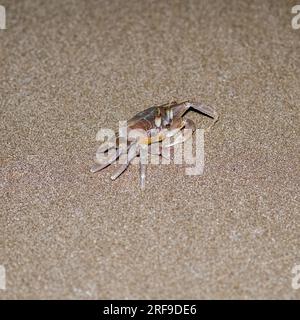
[{"x": 207, "y": 110}]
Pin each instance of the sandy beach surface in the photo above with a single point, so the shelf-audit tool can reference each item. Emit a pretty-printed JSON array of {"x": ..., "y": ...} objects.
[{"x": 69, "y": 68}]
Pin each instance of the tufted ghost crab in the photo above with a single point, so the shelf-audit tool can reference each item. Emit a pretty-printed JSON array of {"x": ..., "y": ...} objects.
[{"x": 157, "y": 123}]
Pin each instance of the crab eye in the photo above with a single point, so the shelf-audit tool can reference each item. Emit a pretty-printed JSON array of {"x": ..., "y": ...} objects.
[
  {"x": 168, "y": 115},
  {"x": 158, "y": 121}
]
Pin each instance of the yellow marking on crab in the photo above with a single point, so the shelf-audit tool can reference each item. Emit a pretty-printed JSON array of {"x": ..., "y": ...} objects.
[{"x": 148, "y": 140}]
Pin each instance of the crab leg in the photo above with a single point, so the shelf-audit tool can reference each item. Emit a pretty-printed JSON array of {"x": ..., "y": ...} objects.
[
  {"x": 162, "y": 151},
  {"x": 132, "y": 152},
  {"x": 98, "y": 167},
  {"x": 106, "y": 146}
]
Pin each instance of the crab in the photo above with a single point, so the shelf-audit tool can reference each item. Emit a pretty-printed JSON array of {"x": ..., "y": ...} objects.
[{"x": 158, "y": 123}]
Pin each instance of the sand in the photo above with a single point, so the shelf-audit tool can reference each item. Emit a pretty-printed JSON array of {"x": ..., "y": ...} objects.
[{"x": 69, "y": 68}]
